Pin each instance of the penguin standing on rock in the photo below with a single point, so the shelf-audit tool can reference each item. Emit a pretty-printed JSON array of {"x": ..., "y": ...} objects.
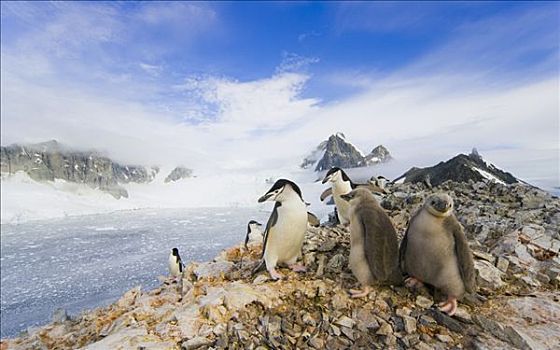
[
  {"x": 341, "y": 184},
  {"x": 434, "y": 250},
  {"x": 254, "y": 232},
  {"x": 175, "y": 263},
  {"x": 285, "y": 229},
  {"x": 373, "y": 243}
]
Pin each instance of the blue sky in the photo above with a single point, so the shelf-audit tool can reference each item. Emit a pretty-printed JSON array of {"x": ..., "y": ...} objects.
[{"x": 233, "y": 75}]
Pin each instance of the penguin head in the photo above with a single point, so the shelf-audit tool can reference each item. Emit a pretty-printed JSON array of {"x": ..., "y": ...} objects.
[
  {"x": 281, "y": 190},
  {"x": 376, "y": 185},
  {"x": 175, "y": 252},
  {"x": 253, "y": 225},
  {"x": 357, "y": 194},
  {"x": 439, "y": 204},
  {"x": 335, "y": 174}
]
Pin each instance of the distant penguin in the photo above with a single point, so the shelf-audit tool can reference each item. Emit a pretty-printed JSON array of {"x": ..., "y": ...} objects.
[
  {"x": 254, "y": 233},
  {"x": 341, "y": 184},
  {"x": 373, "y": 242},
  {"x": 175, "y": 263},
  {"x": 285, "y": 229},
  {"x": 434, "y": 250},
  {"x": 379, "y": 183}
]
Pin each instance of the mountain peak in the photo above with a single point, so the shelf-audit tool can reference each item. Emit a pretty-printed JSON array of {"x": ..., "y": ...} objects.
[
  {"x": 461, "y": 168},
  {"x": 339, "y": 134},
  {"x": 337, "y": 151},
  {"x": 379, "y": 154}
]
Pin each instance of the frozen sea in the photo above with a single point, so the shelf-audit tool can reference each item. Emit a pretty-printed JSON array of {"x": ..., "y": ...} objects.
[{"x": 83, "y": 262}]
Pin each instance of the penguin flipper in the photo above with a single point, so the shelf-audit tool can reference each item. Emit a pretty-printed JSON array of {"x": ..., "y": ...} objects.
[
  {"x": 326, "y": 193},
  {"x": 271, "y": 222},
  {"x": 404, "y": 242},
  {"x": 463, "y": 253},
  {"x": 247, "y": 236},
  {"x": 313, "y": 220}
]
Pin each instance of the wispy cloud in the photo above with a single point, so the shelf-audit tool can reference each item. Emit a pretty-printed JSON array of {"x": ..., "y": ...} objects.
[{"x": 292, "y": 62}]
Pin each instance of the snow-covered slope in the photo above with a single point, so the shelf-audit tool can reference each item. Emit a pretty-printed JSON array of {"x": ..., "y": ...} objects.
[{"x": 23, "y": 198}]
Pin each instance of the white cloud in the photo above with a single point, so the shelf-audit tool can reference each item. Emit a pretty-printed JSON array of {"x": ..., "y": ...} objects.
[
  {"x": 292, "y": 62},
  {"x": 151, "y": 69},
  {"x": 260, "y": 105}
]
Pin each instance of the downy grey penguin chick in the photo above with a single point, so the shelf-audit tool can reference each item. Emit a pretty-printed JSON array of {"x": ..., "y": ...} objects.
[
  {"x": 175, "y": 263},
  {"x": 373, "y": 242},
  {"x": 285, "y": 229},
  {"x": 254, "y": 233},
  {"x": 434, "y": 250}
]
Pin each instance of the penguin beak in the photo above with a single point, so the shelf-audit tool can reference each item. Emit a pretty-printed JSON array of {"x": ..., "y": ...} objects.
[
  {"x": 258, "y": 224},
  {"x": 267, "y": 197},
  {"x": 327, "y": 178},
  {"x": 346, "y": 197},
  {"x": 440, "y": 206}
]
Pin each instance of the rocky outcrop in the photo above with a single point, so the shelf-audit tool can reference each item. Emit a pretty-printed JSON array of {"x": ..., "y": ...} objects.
[
  {"x": 336, "y": 151},
  {"x": 378, "y": 155},
  {"x": 177, "y": 174},
  {"x": 50, "y": 160},
  {"x": 222, "y": 304},
  {"x": 460, "y": 168}
]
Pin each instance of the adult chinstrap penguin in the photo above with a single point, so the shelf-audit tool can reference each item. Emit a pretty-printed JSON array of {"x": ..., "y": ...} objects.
[
  {"x": 254, "y": 233},
  {"x": 175, "y": 263},
  {"x": 342, "y": 184},
  {"x": 285, "y": 229},
  {"x": 373, "y": 243},
  {"x": 434, "y": 250}
]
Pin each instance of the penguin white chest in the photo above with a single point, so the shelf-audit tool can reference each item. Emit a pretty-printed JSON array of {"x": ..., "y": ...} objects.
[
  {"x": 255, "y": 236},
  {"x": 286, "y": 236},
  {"x": 174, "y": 269},
  {"x": 339, "y": 188}
]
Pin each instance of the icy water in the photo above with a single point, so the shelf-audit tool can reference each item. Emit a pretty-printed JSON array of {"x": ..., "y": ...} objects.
[{"x": 83, "y": 262}]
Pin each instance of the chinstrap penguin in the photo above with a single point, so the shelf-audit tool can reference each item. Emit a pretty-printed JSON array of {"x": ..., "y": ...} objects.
[
  {"x": 434, "y": 250},
  {"x": 373, "y": 242},
  {"x": 285, "y": 229},
  {"x": 254, "y": 233},
  {"x": 175, "y": 263},
  {"x": 340, "y": 184}
]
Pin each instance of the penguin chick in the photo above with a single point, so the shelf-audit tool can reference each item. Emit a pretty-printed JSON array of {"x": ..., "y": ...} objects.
[
  {"x": 434, "y": 250},
  {"x": 254, "y": 233},
  {"x": 373, "y": 242},
  {"x": 285, "y": 229},
  {"x": 175, "y": 263}
]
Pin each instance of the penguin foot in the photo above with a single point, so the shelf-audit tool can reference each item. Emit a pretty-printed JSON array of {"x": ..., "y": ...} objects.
[
  {"x": 449, "y": 306},
  {"x": 356, "y": 293},
  {"x": 412, "y": 282},
  {"x": 275, "y": 275},
  {"x": 298, "y": 268}
]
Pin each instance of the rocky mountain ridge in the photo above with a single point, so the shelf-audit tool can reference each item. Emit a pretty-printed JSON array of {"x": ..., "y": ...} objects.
[
  {"x": 512, "y": 230},
  {"x": 336, "y": 151},
  {"x": 461, "y": 168},
  {"x": 51, "y": 160}
]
